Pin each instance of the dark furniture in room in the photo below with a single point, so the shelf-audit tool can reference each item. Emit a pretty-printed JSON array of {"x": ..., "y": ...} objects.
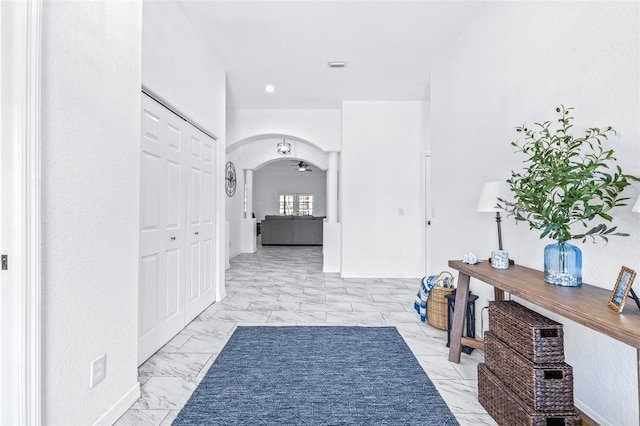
[{"x": 291, "y": 230}]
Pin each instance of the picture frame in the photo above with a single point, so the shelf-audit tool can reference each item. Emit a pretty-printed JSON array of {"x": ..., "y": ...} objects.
[{"x": 621, "y": 289}]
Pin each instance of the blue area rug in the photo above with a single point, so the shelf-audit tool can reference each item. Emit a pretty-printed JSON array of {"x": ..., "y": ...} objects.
[{"x": 316, "y": 376}]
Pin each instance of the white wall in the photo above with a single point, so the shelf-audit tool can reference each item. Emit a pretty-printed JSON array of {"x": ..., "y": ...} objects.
[
  {"x": 178, "y": 67},
  {"x": 90, "y": 201},
  {"x": 381, "y": 189},
  {"x": 284, "y": 178},
  {"x": 318, "y": 126},
  {"x": 516, "y": 62}
]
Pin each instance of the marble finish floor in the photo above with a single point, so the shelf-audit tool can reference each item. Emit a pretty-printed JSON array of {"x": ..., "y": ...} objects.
[{"x": 286, "y": 286}]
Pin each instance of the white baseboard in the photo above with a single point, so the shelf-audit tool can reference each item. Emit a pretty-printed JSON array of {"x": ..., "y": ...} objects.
[
  {"x": 380, "y": 275},
  {"x": 120, "y": 407},
  {"x": 590, "y": 413}
]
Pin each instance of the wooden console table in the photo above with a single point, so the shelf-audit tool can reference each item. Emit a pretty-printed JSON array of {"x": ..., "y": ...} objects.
[{"x": 586, "y": 305}]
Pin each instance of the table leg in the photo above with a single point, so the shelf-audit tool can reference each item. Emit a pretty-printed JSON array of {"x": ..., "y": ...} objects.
[
  {"x": 462, "y": 296},
  {"x": 498, "y": 294}
]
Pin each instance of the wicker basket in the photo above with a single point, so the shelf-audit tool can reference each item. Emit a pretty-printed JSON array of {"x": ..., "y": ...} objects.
[
  {"x": 437, "y": 304},
  {"x": 507, "y": 410},
  {"x": 540, "y": 387},
  {"x": 534, "y": 336}
]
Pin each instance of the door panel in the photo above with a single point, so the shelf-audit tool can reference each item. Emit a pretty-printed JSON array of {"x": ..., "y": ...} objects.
[
  {"x": 194, "y": 292},
  {"x": 173, "y": 195},
  {"x": 149, "y": 271},
  {"x": 201, "y": 193},
  {"x": 161, "y": 304}
]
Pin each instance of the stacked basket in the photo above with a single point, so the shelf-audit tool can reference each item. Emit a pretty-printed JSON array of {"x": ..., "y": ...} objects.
[{"x": 524, "y": 380}]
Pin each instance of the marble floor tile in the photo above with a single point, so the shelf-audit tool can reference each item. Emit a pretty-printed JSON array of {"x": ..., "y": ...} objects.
[
  {"x": 397, "y": 317},
  {"x": 173, "y": 364},
  {"x": 261, "y": 307},
  {"x": 169, "y": 393},
  {"x": 142, "y": 417},
  {"x": 204, "y": 344},
  {"x": 356, "y": 298},
  {"x": 380, "y": 307},
  {"x": 355, "y": 318},
  {"x": 280, "y": 286},
  {"x": 309, "y": 317},
  {"x": 326, "y": 306}
]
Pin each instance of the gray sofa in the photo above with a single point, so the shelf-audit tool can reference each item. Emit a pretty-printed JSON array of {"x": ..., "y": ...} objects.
[{"x": 292, "y": 230}]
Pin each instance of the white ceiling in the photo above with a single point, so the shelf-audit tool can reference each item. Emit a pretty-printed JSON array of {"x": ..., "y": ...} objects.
[{"x": 391, "y": 47}]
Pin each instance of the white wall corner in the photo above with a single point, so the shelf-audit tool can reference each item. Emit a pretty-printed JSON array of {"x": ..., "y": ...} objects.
[
  {"x": 331, "y": 247},
  {"x": 248, "y": 236},
  {"x": 227, "y": 246}
]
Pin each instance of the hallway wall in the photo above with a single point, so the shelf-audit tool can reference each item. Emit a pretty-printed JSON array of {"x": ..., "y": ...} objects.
[
  {"x": 381, "y": 189},
  {"x": 90, "y": 202},
  {"x": 516, "y": 63}
]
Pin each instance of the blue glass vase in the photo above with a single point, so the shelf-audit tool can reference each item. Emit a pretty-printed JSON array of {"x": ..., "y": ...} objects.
[{"x": 563, "y": 265}]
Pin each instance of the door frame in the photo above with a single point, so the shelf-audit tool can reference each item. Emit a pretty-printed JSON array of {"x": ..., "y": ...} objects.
[
  {"x": 428, "y": 213},
  {"x": 20, "y": 124}
]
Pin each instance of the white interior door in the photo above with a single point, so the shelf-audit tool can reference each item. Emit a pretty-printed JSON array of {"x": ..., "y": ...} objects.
[
  {"x": 162, "y": 242},
  {"x": 199, "y": 230},
  {"x": 176, "y": 226}
]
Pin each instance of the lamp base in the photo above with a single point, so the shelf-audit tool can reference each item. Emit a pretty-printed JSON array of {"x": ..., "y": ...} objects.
[{"x": 511, "y": 261}]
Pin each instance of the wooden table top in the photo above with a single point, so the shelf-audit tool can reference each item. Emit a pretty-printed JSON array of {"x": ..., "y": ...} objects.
[{"x": 586, "y": 305}]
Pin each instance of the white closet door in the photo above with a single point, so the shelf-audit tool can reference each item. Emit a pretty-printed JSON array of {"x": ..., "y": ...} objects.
[
  {"x": 176, "y": 226},
  {"x": 162, "y": 236},
  {"x": 199, "y": 228}
]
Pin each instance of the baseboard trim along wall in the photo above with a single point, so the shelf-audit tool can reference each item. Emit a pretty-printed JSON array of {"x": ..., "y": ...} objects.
[
  {"x": 120, "y": 407},
  {"x": 379, "y": 275}
]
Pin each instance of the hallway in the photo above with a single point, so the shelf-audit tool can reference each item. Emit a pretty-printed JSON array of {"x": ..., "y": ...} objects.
[{"x": 285, "y": 286}]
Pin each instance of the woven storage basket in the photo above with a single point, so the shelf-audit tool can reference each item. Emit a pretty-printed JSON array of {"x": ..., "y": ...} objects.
[
  {"x": 540, "y": 387},
  {"x": 437, "y": 304},
  {"x": 534, "y": 336},
  {"x": 507, "y": 410}
]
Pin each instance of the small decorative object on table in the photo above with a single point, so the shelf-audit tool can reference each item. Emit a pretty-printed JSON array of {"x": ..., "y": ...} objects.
[
  {"x": 622, "y": 289},
  {"x": 470, "y": 258},
  {"x": 500, "y": 259},
  {"x": 567, "y": 181}
]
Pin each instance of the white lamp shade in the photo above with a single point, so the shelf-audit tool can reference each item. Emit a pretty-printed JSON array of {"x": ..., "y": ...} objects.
[
  {"x": 636, "y": 206},
  {"x": 489, "y": 195}
]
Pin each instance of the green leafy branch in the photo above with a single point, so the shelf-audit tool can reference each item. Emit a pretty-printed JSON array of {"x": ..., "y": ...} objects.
[{"x": 567, "y": 180}]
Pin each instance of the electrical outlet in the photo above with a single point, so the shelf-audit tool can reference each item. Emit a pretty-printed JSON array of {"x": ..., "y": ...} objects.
[{"x": 98, "y": 370}]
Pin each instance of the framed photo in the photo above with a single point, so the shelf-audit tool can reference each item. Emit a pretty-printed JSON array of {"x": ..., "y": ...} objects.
[{"x": 621, "y": 289}]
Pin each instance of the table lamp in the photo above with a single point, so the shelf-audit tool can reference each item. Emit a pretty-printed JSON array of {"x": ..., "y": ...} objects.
[{"x": 488, "y": 202}]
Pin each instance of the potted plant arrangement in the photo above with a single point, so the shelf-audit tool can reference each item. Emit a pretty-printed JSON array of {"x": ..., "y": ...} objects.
[{"x": 568, "y": 182}]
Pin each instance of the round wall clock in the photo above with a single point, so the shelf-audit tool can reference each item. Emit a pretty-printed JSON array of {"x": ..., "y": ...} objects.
[{"x": 230, "y": 179}]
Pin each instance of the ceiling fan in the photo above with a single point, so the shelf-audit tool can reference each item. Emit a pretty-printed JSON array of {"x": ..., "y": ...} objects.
[{"x": 303, "y": 167}]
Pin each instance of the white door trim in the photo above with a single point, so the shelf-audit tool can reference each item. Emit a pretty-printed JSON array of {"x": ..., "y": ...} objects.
[
  {"x": 21, "y": 60},
  {"x": 428, "y": 213}
]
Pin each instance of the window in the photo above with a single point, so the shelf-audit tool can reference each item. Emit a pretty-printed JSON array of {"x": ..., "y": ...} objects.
[
  {"x": 298, "y": 204},
  {"x": 286, "y": 204},
  {"x": 305, "y": 205}
]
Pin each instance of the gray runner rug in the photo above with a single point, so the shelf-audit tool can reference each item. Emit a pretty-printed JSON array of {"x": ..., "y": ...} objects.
[{"x": 316, "y": 376}]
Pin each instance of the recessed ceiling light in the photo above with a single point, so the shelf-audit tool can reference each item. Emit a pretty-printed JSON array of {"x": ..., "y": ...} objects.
[
  {"x": 269, "y": 88},
  {"x": 337, "y": 64}
]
